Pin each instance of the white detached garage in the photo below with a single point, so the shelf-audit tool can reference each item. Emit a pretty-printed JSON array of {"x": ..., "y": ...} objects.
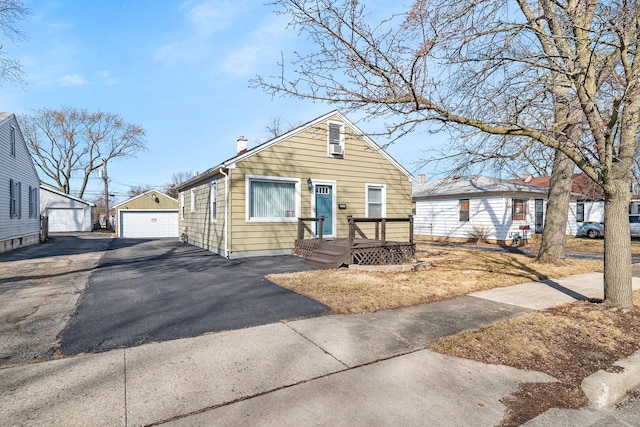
[
  {"x": 66, "y": 213},
  {"x": 149, "y": 215}
]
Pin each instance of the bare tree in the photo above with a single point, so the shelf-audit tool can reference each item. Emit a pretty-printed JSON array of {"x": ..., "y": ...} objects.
[
  {"x": 71, "y": 143},
  {"x": 171, "y": 189},
  {"x": 276, "y": 127},
  {"x": 137, "y": 190},
  {"x": 11, "y": 13},
  {"x": 511, "y": 60}
]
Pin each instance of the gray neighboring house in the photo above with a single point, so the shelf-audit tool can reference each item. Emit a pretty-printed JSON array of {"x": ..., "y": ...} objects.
[
  {"x": 19, "y": 188},
  {"x": 457, "y": 208},
  {"x": 66, "y": 213}
]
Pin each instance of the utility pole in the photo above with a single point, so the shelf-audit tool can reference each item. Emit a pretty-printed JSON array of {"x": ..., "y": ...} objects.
[{"x": 106, "y": 193}]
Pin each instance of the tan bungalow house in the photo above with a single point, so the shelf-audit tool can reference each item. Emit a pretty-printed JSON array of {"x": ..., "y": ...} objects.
[{"x": 250, "y": 205}]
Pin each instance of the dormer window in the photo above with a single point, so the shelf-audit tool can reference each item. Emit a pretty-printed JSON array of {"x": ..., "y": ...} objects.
[{"x": 335, "y": 139}]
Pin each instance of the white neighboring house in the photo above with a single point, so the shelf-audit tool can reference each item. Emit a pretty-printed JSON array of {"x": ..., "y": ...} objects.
[
  {"x": 19, "y": 184},
  {"x": 458, "y": 208},
  {"x": 65, "y": 212}
]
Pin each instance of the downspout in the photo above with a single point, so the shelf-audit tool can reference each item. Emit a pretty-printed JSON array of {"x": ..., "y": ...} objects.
[{"x": 226, "y": 213}]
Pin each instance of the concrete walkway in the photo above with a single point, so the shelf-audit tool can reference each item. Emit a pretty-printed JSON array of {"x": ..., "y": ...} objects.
[{"x": 356, "y": 370}]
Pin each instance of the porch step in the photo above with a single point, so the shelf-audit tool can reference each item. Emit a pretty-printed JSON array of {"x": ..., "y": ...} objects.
[{"x": 329, "y": 256}]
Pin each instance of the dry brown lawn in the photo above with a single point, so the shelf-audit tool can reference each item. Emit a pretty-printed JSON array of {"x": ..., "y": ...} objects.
[
  {"x": 569, "y": 342},
  {"x": 454, "y": 272}
]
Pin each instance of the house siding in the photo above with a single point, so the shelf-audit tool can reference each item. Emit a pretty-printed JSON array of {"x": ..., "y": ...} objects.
[
  {"x": 17, "y": 232},
  {"x": 299, "y": 157},
  {"x": 199, "y": 228},
  {"x": 305, "y": 156},
  {"x": 439, "y": 218}
]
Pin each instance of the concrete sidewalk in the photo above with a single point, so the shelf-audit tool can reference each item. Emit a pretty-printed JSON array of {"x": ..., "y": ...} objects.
[{"x": 365, "y": 369}]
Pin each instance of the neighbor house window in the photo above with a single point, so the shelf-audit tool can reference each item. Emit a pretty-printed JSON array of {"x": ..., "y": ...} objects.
[
  {"x": 12, "y": 141},
  {"x": 464, "y": 210},
  {"x": 33, "y": 202},
  {"x": 579, "y": 212},
  {"x": 335, "y": 135},
  {"x": 519, "y": 210},
  {"x": 14, "y": 198},
  {"x": 193, "y": 200},
  {"x": 376, "y": 201},
  {"x": 214, "y": 199},
  {"x": 272, "y": 199}
]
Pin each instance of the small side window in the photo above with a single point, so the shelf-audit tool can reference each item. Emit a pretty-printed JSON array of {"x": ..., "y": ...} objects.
[
  {"x": 579, "y": 212},
  {"x": 518, "y": 210},
  {"x": 214, "y": 200},
  {"x": 12, "y": 141},
  {"x": 464, "y": 210}
]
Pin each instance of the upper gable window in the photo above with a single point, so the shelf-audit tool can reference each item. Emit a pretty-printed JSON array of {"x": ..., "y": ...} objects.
[
  {"x": 335, "y": 139},
  {"x": 12, "y": 141}
]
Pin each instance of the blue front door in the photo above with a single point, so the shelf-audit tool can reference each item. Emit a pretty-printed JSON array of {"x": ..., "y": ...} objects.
[{"x": 324, "y": 207}]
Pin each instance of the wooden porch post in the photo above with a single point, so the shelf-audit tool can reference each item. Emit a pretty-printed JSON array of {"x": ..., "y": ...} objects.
[
  {"x": 384, "y": 231},
  {"x": 300, "y": 229},
  {"x": 321, "y": 228},
  {"x": 352, "y": 230},
  {"x": 411, "y": 229}
]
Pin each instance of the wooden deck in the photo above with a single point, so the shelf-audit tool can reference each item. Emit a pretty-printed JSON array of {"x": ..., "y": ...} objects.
[{"x": 333, "y": 253}]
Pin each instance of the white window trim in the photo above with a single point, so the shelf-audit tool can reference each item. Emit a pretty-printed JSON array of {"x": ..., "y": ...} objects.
[
  {"x": 182, "y": 205},
  {"x": 342, "y": 133},
  {"x": 384, "y": 198},
  {"x": 193, "y": 200},
  {"x": 247, "y": 181},
  {"x": 213, "y": 206}
]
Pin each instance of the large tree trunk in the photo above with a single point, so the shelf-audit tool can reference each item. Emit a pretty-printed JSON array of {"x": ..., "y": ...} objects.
[
  {"x": 617, "y": 245},
  {"x": 554, "y": 235}
]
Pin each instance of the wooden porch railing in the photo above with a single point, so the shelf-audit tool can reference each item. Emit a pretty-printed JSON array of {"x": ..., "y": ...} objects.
[
  {"x": 301, "y": 227},
  {"x": 380, "y": 227}
]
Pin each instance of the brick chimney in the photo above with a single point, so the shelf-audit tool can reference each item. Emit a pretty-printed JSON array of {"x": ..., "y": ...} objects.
[
  {"x": 242, "y": 144},
  {"x": 421, "y": 179}
]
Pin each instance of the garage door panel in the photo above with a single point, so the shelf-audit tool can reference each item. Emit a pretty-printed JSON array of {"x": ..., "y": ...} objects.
[
  {"x": 149, "y": 224},
  {"x": 65, "y": 219}
]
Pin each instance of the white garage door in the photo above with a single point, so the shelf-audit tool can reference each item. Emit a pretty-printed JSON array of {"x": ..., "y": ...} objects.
[
  {"x": 66, "y": 219},
  {"x": 144, "y": 224}
]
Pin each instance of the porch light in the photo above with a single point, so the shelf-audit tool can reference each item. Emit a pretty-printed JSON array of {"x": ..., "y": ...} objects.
[{"x": 310, "y": 184}]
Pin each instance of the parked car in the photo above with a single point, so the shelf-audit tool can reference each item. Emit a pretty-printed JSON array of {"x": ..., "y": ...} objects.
[{"x": 595, "y": 230}]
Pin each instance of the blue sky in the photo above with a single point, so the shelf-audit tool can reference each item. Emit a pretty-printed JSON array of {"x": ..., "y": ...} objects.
[{"x": 181, "y": 70}]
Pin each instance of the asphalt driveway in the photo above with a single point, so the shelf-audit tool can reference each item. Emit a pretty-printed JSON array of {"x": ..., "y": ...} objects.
[{"x": 157, "y": 290}]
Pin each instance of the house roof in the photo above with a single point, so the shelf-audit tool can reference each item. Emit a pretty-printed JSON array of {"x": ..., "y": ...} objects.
[
  {"x": 4, "y": 116},
  {"x": 581, "y": 184},
  {"x": 475, "y": 184},
  {"x": 63, "y": 194},
  {"x": 153, "y": 190},
  {"x": 230, "y": 163}
]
